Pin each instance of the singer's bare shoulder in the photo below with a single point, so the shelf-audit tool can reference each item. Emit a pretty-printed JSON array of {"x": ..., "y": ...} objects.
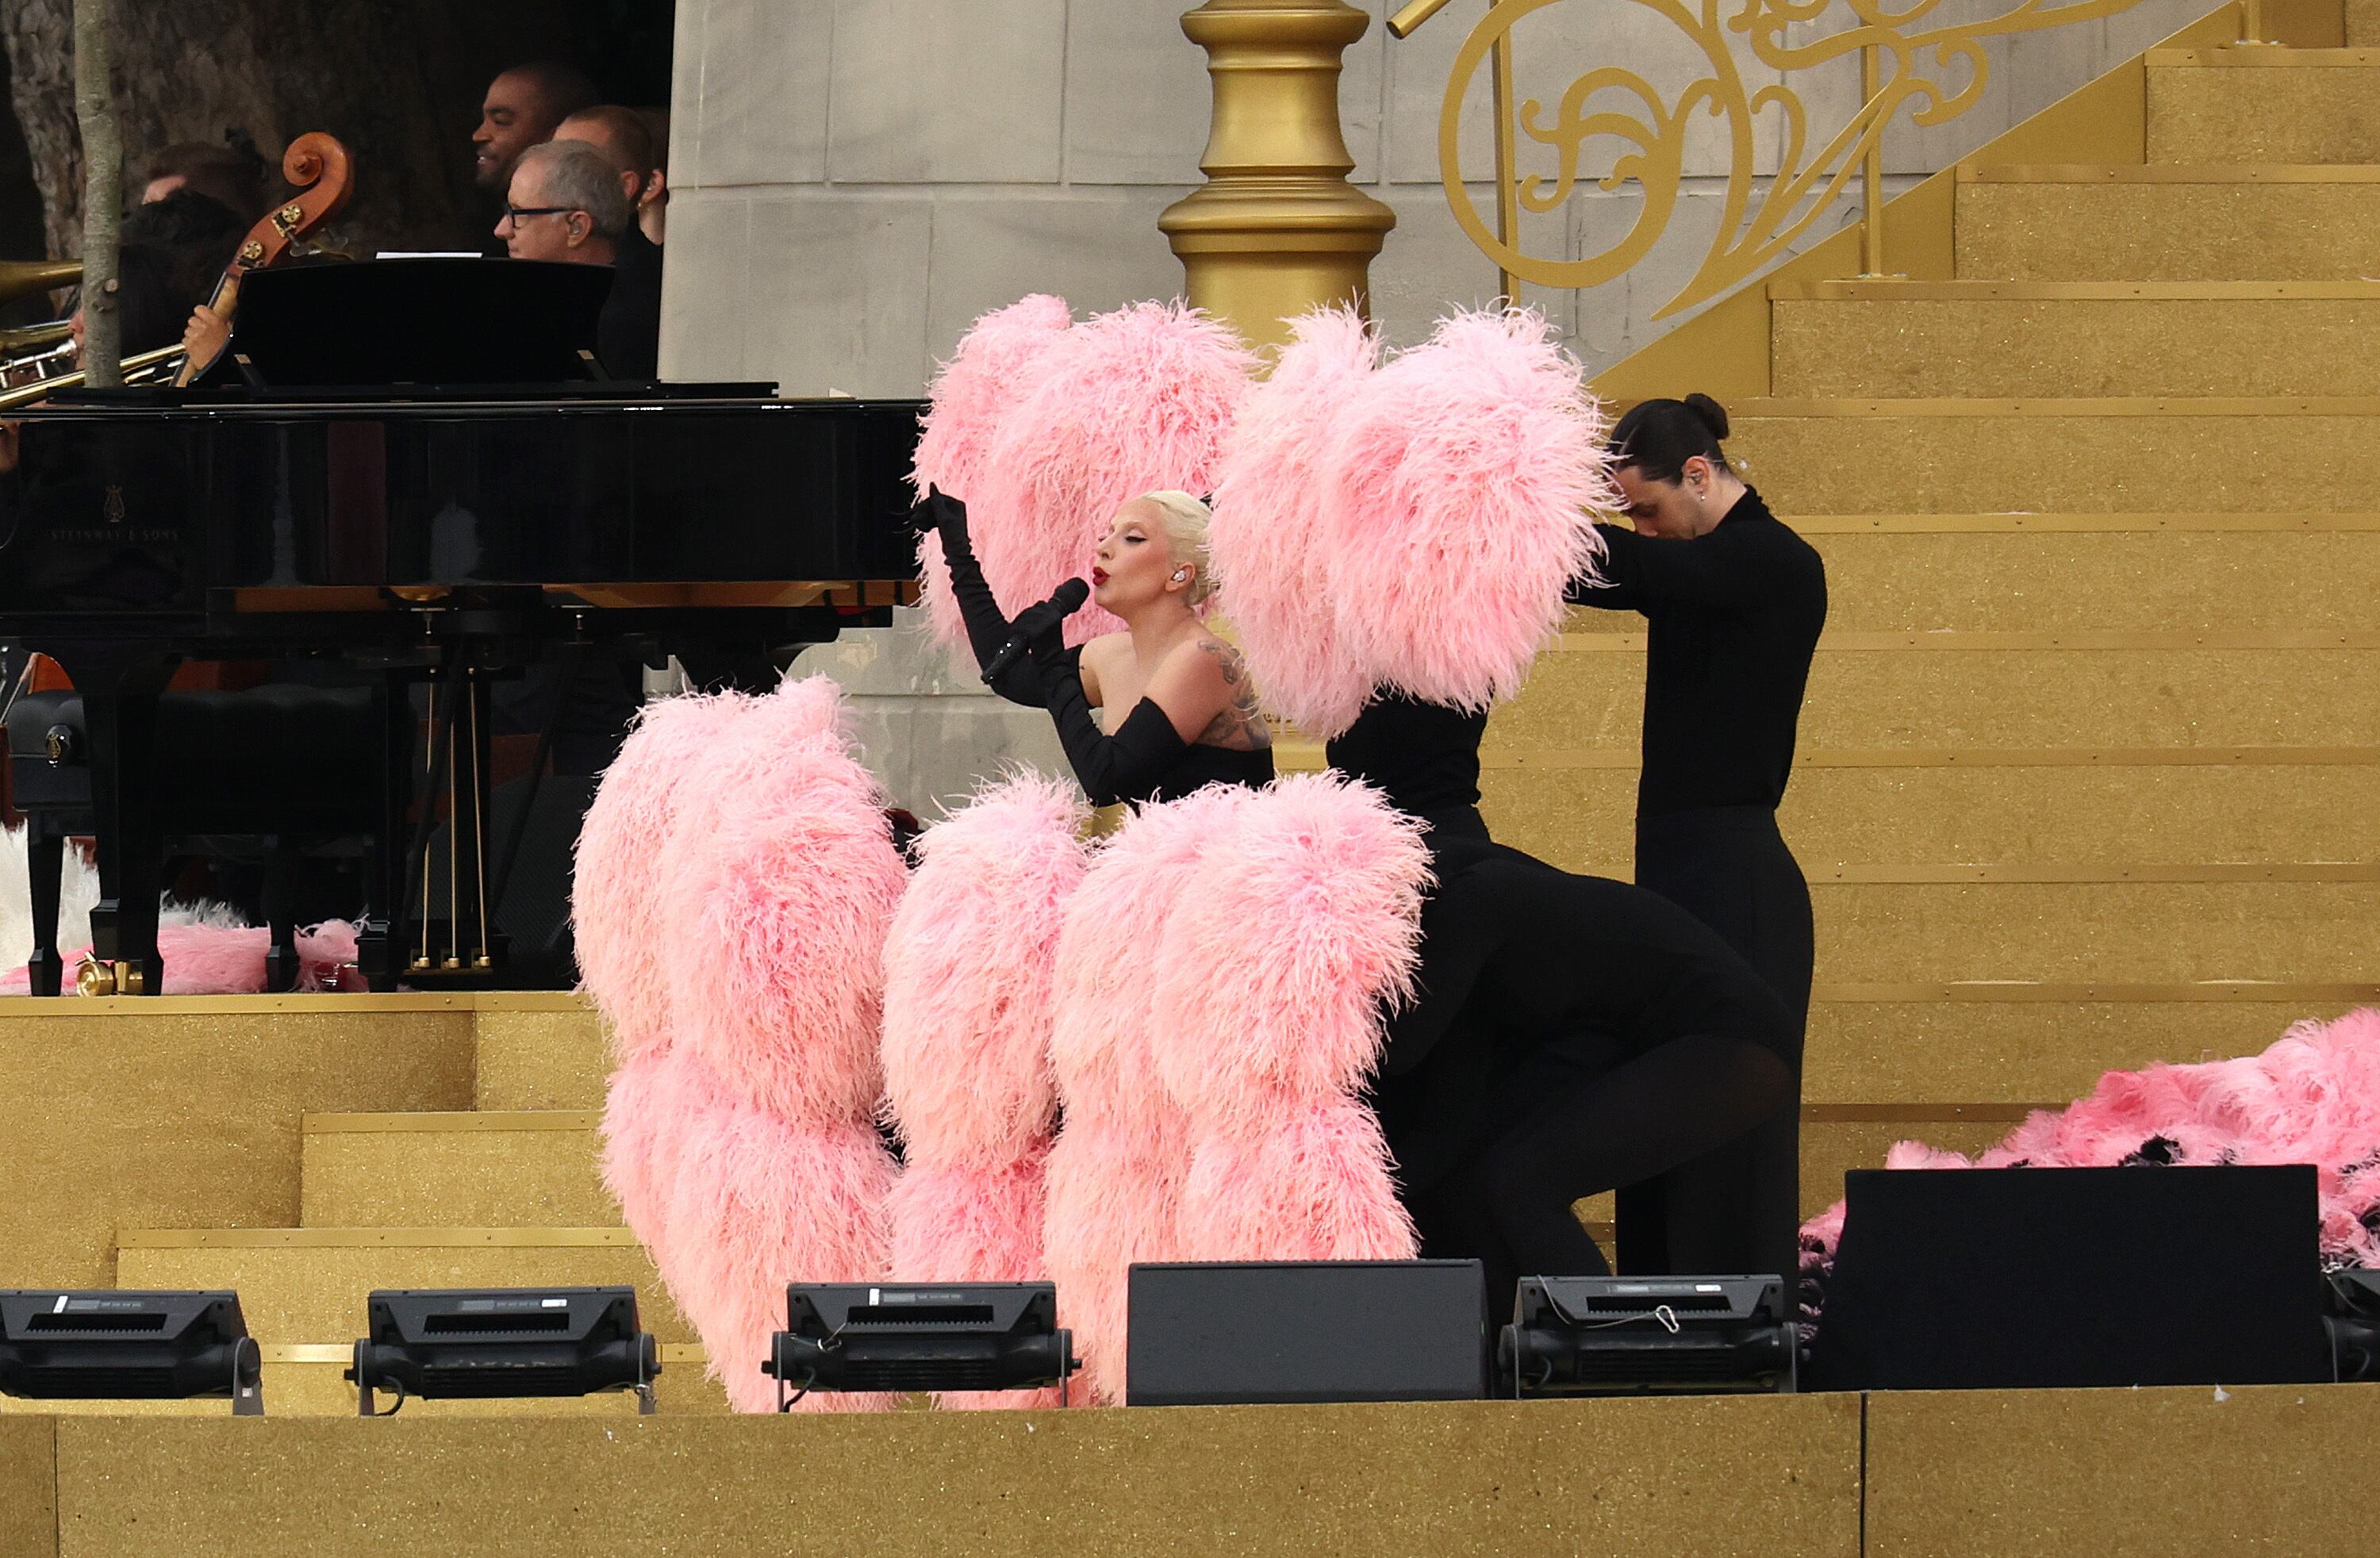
[{"x": 1107, "y": 662}]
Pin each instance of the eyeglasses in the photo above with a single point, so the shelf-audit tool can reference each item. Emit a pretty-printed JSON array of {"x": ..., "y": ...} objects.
[{"x": 512, "y": 214}]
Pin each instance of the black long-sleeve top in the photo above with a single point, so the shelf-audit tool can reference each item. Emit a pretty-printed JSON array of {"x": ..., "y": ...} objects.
[{"x": 1734, "y": 616}]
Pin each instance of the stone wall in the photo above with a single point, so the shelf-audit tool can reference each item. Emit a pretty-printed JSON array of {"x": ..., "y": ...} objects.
[{"x": 855, "y": 180}]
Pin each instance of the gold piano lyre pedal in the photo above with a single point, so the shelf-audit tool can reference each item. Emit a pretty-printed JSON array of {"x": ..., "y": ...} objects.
[{"x": 95, "y": 978}]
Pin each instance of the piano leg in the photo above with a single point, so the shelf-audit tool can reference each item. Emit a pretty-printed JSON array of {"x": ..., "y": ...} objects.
[
  {"x": 281, "y": 965},
  {"x": 379, "y": 946},
  {"x": 119, "y": 700},
  {"x": 45, "y": 862}
]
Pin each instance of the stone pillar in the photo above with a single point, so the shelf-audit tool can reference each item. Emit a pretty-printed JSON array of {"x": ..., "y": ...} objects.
[{"x": 1276, "y": 228}]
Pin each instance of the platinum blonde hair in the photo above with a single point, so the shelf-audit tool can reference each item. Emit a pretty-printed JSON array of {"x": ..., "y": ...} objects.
[{"x": 1185, "y": 536}]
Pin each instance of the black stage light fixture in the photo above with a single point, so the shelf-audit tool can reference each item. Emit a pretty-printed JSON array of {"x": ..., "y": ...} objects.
[
  {"x": 491, "y": 1342},
  {"x": 129, "y": 1346},
  {"x": 2353, "y": 1324},
  {"x": 920, "y": 1336},
  {"x": 1649, "y": 1336}
]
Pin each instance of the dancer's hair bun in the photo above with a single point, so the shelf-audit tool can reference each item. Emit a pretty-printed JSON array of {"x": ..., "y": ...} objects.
[{"x": 1709, "y": 412}]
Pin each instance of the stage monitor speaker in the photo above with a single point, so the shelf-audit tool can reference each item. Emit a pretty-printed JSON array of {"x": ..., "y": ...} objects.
[
  {"x": 2041, "y": 1278},
  {"x": 1307, "y": 1331}
]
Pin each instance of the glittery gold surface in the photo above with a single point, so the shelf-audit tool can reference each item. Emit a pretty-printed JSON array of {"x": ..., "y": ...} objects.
[
  {"x": 2130, "y": 931},
  {"x": 472, "y": 1178},
  {"x": 1989, "y": 697},
  {"x": 541, "y": 1059},
  {"x": 2121, "y": 1473},
  {"x": 1947, "y": 1052},
  {"x": 29, "y": 1485},
  {"x": 2168, "y": 232},
  {"x": 1773, "y": 1475},
  {"x": 2320, "y": 114},
  {"x": 1831, "y": 1149},
  {"x": 2362, "y": 24},
  {"x": 1843, "y": 347},
  {"x": 2066, "y": 463},
  {"x": 182, "y": 1119},
  {"x": 312, "y": 1294},
  {"x": 1583, "y": 819}
]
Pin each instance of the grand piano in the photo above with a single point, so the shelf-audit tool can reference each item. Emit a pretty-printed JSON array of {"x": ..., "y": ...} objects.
[{"x": 415, "y": 470}]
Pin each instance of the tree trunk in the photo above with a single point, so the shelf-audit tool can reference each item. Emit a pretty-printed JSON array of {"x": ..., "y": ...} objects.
[
  {"x": 102, "y": 144},
  {"x": 399, "y": 84}
]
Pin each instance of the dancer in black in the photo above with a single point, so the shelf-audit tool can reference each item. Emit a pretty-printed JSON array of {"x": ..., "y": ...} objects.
[
  {"x": 1571, "y": 1035},
  {"x": 1734, "y": 601},
  {"x": 1192, "y": 718}
]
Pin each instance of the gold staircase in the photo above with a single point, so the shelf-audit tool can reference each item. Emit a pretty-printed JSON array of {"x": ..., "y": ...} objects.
[{"x": 2090, "y": 765}]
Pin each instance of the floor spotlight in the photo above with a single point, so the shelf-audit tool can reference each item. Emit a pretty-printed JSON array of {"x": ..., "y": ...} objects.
[
  {"x": 931, "y": 1336},
  {"x": 129, "y": 1346},
  {"x": 491, "y": 1342},
  {"x": 1648, "y": 1336}
]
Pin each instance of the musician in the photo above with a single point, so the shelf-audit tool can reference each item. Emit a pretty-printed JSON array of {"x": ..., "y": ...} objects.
[
  {"x": 626, "y": 137},
  {"x": 232, "y": 175},
  {"x": 567, "y": 204},
  {"x": 522, "y": 109}
]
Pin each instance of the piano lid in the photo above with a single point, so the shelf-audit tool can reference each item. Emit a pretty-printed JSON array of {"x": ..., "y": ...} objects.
[{"x": 446, "y": 322}]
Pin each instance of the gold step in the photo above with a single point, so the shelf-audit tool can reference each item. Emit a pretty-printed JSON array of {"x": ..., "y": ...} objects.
[
  {"x": 1584, "y": 819},
  {"x": 1915, "y": 573},
  {"x": 1950, "y": 695},
  {"x": 130, "y": 1111},
  {"x": 2124, "y": 932},
  {"x": 477, "y": 1169},
  {"x": 2362, "y": 18},
  {"x": 2196, "y": 222},
  {"x": 2007, "y": 1042},
  {"x": 540, "y": 1052},
  {"x": 1967, "y": 455},
  {"x": 2264, "y": 106},
  {"x": 303, "y": 1284},
  {"x": 302, "y": 1380},
  {"x": 2077, "y": 338}
]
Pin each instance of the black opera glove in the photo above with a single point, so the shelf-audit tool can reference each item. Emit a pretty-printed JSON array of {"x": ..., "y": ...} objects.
[
  {"x": 1128, "y": 765},
  {"x": 986, "y": 626}
]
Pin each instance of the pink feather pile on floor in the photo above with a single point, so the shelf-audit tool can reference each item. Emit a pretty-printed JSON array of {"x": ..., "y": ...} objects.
[
  {"x": 205, "y": 959},
  {"x": 2313, "y": 1098}
]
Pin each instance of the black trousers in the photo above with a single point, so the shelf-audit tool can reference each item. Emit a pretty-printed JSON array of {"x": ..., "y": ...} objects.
[{"x": 1736, "y": 1208}]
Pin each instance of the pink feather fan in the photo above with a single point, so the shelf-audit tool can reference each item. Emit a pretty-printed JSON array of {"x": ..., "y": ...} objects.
[
  {"x": 782, "y": 881},
  {"x": 994, "y": 369},
  {"x": 1458, "y": 482},
  {"x": 967, "y": 1012},
  {"x": 1116, "y": 1173},
  {"x": 1135, "y": 401},
  {"x": 1268, "y": 1022},
  {"x": 1272, "y": 541},
  {"x": 615, "y": 883}
]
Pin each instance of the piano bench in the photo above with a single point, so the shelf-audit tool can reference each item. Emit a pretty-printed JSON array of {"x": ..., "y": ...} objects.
[{"x": 296, "y": 768}]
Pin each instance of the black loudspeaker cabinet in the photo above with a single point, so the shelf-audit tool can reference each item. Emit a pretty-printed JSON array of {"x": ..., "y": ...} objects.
[
  {"x": 2043, "y": 1278},
  {"x": 1206, "y": 1335}
]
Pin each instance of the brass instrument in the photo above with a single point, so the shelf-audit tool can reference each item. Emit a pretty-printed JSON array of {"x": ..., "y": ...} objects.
[
  {"x": 149, "y": 365},
  {"x": 22, "y": 278}
]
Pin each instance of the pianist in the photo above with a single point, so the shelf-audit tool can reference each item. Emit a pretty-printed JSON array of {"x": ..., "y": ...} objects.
[{"x": 567, "y": 203}]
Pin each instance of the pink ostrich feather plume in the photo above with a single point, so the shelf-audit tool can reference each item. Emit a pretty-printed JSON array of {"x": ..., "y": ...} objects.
[
  {"x": 1115, "y": 1171},
  {"x": 968, "y": 966},
  {"x": 622, "y": 857},
  {"x": 1272, "y": 542},
  {"x": 759, "y": 1203},
  {"x": 1294, "y": 929},
  {"x": 992, "y": 369},
  {"x": 655, "y": 1104},
  {"x": 1460, "y": 478},
  {"x": 1314, "y": 1184},
  {"x": 2313, "y": 1097},
  {"x": 1135, "y": 401},
  {"x": 783, "y": 883}
]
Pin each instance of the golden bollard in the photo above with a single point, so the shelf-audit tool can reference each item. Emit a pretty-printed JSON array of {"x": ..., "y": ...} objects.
[{"x": 1276, "y": 229}]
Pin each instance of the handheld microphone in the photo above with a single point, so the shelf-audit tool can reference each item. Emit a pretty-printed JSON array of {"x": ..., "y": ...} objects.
[{"x": 1033, "y": 621}]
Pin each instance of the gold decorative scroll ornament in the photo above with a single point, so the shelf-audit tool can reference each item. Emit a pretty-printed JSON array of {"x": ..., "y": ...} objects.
[{"x": 1906, "y": 66}]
